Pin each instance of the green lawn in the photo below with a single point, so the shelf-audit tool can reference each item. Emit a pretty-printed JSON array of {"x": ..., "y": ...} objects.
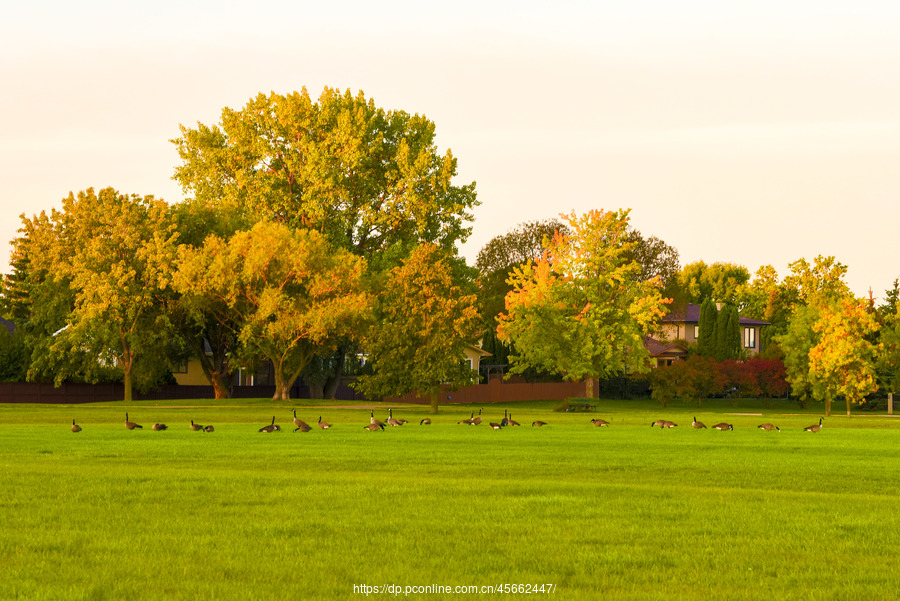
[{"x": 626, "y": 512}]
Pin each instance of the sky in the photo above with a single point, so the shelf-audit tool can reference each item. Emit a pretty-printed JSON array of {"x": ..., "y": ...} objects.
[{"x": 755, "y": 133}]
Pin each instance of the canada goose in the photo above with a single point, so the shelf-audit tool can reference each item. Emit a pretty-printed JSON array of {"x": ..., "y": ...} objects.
[
  {"x": 374, "y": 426},
  {"x": 323, "y": 425},
  {"x": 425, "y": 421},
  {"x": 600, "y": 422},
  {"x": 511, "y": 422},
  {"x": 468, "y": 422},
  {"x": 769, "y": 427},
  {"x": 75, "y": 427},
  {"x": 131, "y": 425},
  {"x": 372, "y": 420},
  {"x": 208, "y": 429},
  {"x": 495, "y": 426},
  {"x": 301, "y": 425},
  {"x": 659, "y": 422},
  {"x": 505, "y": 420},
  {"x": 668, "y": 425},
  {"x": 271, "y": 427},
  {"x": 723, "y": 426},
  {"x": 391, "y": 421},
  {"x": 195, "y": 427},
  {"x": 814, "y": 428},
  {"x": 538, "y": 423},
  {"x": 477, "y": 419},
  {"x": 697, "y": 424},
  {"x": 159, "y": 427}
]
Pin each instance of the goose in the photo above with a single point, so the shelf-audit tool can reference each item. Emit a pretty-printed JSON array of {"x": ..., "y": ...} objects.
[
  {"x": 195, "y": 427},
  {"x": 301, "y": 425},
  {"x": 323, "y": 425},
  {"x": 425, "y": 421},
  {"x": 768, "y": 427},
  {"x": 477, "y": 419},
  {"x": 271, "y": 427},
  {"x": 697, "y": 424},
  {"x": 468, "y": 422},
  {"x": 208, "y": 429},
  {"x": 723, "y": 426},
  {"x": 814, "y": 428},
  {"x": 374, "y": 426},
  {"x": 496, "y": 426},
  {"x": 159, "y": 427},
  {"x": 668, "y": 425},
  {"x": 538, "y": 423},
  {"x": 505, "y": 420},
  {"x": 391, "y": 421},
  {"x": 659, "y": 422},
  {"x": 372, "y": 420},
  {"x": 75, "y": 427},
  {"x": 599, "y": 422},
  {"x": 131, "y": 425},
  {"x": 511, "y": 422}
]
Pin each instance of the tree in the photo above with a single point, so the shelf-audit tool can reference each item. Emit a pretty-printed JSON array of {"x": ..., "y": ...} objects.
[
  {"x": 708, "y": 338},
  {"x": 720, "y": 282},
  {"x": 657, "y": 260},
  {"x": 425, "y": 324},
  {"x": 580, "y": 310},
  {"x": 293, "y": 292},
  {"x": 812, "y": 288},
  {"x": 113, "y": 254},
  {"x": 372, "y": 181},
  {"x": 208, "y": 326},
  {"x": 842, "y": 363}
]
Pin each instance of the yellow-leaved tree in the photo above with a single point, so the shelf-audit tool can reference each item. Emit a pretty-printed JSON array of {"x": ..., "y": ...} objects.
[
  {"x": 424, "y": 322},
  {"x": 582, "y": 310},
  {"x": 842, "y": 363}
]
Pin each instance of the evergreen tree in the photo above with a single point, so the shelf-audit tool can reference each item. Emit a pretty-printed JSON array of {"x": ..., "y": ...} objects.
[
  {"x": 706, "y": 341},
  {"x": 723, "y": 350}
]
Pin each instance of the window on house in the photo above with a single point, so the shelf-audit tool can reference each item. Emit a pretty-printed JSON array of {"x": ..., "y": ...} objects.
[
  {"x": 749, "y": 337},
  {"x": 696, "y": 332}
]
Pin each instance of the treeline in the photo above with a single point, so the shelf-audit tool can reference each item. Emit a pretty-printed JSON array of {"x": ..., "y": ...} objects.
[{"x": 321, "y": 236}]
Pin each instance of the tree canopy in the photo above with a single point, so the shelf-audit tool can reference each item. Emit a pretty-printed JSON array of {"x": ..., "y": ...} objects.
[
  {"x": 426, "y": 322},
  {"x": 371, "y": 180},
  {"x": 580, "y": 310}
]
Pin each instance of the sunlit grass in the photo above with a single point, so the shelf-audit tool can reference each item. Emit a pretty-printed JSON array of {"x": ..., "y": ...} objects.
[{"x": 626, "y": 512}]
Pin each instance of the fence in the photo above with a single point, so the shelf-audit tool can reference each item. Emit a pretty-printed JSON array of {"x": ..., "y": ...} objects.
[{"x": 494, "y": 392}]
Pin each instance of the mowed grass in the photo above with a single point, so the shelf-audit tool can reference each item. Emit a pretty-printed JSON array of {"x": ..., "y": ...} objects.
[{"x": 626, "y": 512}]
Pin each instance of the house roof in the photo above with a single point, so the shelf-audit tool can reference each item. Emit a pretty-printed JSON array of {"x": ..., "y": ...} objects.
[
  {"x": 658, "y": 348},
  {"x": 690, "y": 313}
]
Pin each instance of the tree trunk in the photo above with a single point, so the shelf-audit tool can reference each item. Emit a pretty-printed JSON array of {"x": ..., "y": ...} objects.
[
  {"x": 127, "y": 383},
  {"x": 221, "y": 385},
  {"x": 434, "y": 402},
  {"x": 331, "y": 385},
  {"x": 848, "y": 406},
  {"x": 589, "y": 388},
  {"x": 827, "y": 406},
  {"x": 280, "y": 392}
]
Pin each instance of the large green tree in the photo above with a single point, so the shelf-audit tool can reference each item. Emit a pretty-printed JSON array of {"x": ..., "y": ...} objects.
[
  {"x": 110, "y": 256},
  {"x": 371, "y": 180},
  {"x": 580, "y": 310},
  {"x": 294, "y": 293},
  {"x": 426, "y": 322}
]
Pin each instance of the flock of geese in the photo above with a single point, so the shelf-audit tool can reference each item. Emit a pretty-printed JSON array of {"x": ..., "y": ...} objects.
[{"x": 474, "y": 420}]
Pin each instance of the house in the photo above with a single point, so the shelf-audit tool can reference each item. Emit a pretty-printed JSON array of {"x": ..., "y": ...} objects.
[
  {"x": 684, "y": 325},
  {"x": 662, "y": 354}
]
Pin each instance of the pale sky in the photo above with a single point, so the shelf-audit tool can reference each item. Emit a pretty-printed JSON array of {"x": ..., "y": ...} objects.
[{"x": 753, "y": 132}]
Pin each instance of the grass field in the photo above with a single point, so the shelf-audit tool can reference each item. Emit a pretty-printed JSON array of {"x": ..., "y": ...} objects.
[{"x": 626, "y": 512}]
